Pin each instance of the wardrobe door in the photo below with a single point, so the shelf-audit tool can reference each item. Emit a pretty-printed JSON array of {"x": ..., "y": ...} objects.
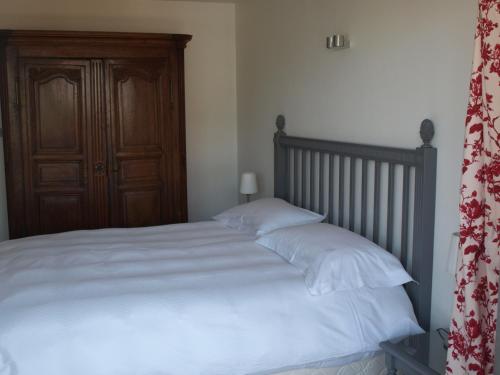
[
  {"x": 138, "y": 98},
  {"x": 55, "y": 116}
]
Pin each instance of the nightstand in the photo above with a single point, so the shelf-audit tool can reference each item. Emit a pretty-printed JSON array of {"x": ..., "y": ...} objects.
[{"x": 423, "y": 354}]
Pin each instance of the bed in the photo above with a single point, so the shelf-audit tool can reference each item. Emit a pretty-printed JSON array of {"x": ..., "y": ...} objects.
[{"x": 202, "y": 298}]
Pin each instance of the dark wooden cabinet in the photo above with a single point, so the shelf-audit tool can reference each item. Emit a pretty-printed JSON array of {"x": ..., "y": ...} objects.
[{"x": 94, "y": 130}]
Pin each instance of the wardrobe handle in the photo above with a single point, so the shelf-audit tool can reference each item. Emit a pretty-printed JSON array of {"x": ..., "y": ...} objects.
[{"x": 99, "y": 168}]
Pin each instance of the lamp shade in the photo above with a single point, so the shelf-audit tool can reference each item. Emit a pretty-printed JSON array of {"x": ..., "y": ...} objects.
[{"x": 248, "y": 183}]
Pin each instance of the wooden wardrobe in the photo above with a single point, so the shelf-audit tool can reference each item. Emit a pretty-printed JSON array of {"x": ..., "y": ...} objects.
[{"x": 94, "y": 130}]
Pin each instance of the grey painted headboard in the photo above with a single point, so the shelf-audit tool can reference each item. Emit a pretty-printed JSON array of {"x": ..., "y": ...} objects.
[{"x": 386, "y": 194}]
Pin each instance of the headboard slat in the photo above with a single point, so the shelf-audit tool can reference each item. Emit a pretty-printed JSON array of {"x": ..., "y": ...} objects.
[
  {"x": 303, "y": 172},
  {"x": 341, "y": 190},
  {"x": 352, "y": 192},
  {"x": 331, "y": 187},
  {"x": 364, "y": 195},
  {"x": 376, "y": 202},
  {"x": 296, "y": 176},
  {"x": 394, "y": 206},
  {"x": 287, "y": 172},
  {"x": 390, "y": 209},
  {"x": 405, "y": 213},
  {"x": 321, "y": 199}
]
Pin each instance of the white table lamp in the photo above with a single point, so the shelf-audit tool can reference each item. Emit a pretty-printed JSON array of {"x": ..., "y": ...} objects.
[{"x": 248, "y": 185}]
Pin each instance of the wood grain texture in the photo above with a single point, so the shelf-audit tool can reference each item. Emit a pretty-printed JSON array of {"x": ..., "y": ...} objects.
[{"x": 94, "y": 129}]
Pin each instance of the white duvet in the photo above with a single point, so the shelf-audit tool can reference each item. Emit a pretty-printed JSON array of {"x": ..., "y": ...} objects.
[{"x": 180, "y": 299}]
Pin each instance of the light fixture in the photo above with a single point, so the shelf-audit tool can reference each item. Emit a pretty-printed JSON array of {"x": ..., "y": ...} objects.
[
  {"x": 337, "y": 41},
  {"x": 248, "y": 185},
  {"x": 453, "y": 253}
]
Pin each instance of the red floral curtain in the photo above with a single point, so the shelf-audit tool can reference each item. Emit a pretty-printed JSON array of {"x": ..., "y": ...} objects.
[{"x": 473, "y": 324}]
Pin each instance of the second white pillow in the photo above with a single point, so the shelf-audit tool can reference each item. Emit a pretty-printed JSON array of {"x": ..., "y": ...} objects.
[{"x": 334, "y": 259}]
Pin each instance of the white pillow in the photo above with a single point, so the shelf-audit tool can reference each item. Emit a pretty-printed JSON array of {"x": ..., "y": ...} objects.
[
  {"x": 265, "y": 215},
  {"x": 334, "y": 259}
]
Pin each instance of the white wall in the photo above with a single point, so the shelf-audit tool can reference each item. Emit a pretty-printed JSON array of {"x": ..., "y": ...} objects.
[
  {"x": 409, "y": 60},
  {"x": 210, "y": 78}
]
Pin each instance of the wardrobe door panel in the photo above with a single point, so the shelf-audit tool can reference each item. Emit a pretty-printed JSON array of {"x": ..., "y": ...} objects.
[
  {"x": 60, "y": 212},
  {"x": 138, "y": 96},
  {"x": 56, "y": 97},
  {"x": 58, "y": 174},
  {"x": 141, "y": 208},
  {"x": 138, "y": 100},
  {"x": 55, "y": 121}
]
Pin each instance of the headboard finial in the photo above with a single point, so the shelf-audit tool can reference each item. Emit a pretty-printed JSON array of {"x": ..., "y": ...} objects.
[
  {"x": 427, "y": 132},
  {"x": 280, "y": 124}
]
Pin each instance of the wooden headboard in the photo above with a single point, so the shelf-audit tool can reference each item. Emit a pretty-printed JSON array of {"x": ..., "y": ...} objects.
[{"x": 386, "y": 194}]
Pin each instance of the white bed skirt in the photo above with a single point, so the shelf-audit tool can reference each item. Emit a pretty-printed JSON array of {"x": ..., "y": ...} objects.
[{"x": 368, "y": 366}]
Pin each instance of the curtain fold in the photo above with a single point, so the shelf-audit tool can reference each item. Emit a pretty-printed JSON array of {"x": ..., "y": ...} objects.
[{"x": 473, "y": 324}]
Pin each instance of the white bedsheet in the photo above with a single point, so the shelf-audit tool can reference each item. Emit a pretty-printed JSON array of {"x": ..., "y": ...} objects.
[{"x": 181, "y": 299}]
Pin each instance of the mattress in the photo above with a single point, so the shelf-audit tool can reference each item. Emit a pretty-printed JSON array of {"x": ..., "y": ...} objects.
[{"x": 179, "y": 299}]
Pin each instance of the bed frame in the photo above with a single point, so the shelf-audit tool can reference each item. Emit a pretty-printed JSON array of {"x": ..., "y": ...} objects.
[{"x": 386, "y": 194}]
